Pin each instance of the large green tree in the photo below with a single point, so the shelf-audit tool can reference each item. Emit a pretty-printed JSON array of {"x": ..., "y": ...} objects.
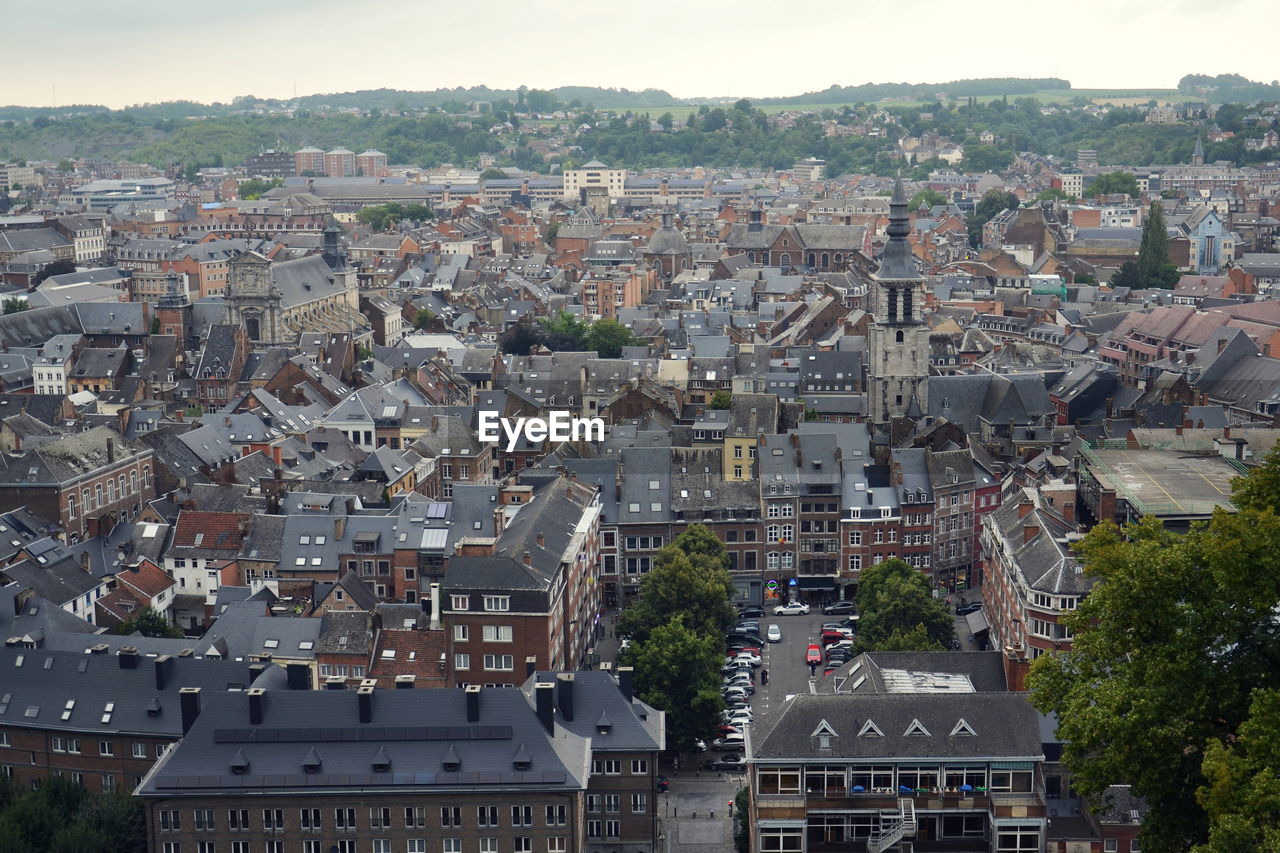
[
  {"x": 993, "y": 201},
  {"x": 897, "y": 610},
  {"x": 1168, "y": 648},
  {"x": 677, "y": 670},
  {"x": 1241, "y": 794},
  {"x": 150, "y": 623},
  {"x": 62, "y": 817},
  {"x": 696, "y": 587},
  {"x": 1113, "y": 183},
  {"x": 607, "y": 337},
  {"x": 1154, "y": 267}
]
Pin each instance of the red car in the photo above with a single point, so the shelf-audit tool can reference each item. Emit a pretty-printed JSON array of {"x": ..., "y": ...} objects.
[{"x": 813, "y": 654}]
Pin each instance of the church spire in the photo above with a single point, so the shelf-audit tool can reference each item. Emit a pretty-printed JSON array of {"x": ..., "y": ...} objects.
[
  {"x": 897, "y": 262},
  {"x": 1197, "y": 156}
]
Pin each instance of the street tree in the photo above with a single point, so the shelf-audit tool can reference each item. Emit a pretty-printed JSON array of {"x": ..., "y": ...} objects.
[
  {"x": 897, "y": 610},
  {"x": 699, "y": 540},
  {"x": 677, "y": 670},
  {"x": 1241, "y": 794},
  {"x": 1168, "y": 647},
  {"x": 696, "y": 587}
]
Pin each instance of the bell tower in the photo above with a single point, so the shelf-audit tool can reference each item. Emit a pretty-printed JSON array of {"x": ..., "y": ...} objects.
[{"x": 898, "y": 340}]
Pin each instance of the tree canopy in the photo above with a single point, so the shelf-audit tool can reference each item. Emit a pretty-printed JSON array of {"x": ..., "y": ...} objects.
[
  {"x": 897, "y": 610},
  {"x": 1113, "y": 183},
  {"x": 150, "y": 623},
  {"x": 993, "y": 201},
  {"x": 677, "y": 669},
  {"x": 1167, "y": 687},
  {"x": 380, "y": 217},
  {"x": 62, "y": 817},
  {"x": 695, "y": 586}
]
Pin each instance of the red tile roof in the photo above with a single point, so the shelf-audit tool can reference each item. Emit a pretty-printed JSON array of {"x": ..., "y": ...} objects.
[
  {"x": 414, "y": 653},
  {"x": 148, "y": 579},
  {"x": 215, "y": 530}
]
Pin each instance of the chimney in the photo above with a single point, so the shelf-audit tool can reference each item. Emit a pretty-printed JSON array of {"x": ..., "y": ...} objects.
[
  {"x": 128, "y": 657},
  {"x": 1226, "y": 432},
  {"x": 527, "y": 558},
  {"x": 625, "y": 683},
  {"x": 85, "y": 563},
  {"x": 256, "y": 703},
  {"x": 473, "y": 703},
  {"x": 544, "y": 702},
  {"x": 564, "y": 694},
  {"x": 364, "y": 700},
  {"x": 335, "y": 682},
  {"x": 542, "y": 540},
  {"x": 530, "y": 665},
  {"x": 189, "y": 701},
  {"x": 164, "y": 670},
  {"x": 255, "y": 670},
  {"x": 1179, "y": 429},
  {"x": 339, "y": 526},
  {"x": 405, "y": 682},
  {"x": 298, "y": 676},
  {"x": 1030, "y": 531},
  {"x": 435, "y": 607},
  {"x": 1024, "y": 507}
]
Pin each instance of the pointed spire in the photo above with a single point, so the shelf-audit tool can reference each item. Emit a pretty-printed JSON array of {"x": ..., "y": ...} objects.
[
  {"x": 896, "y": 262},
  {"x": 1197, "y": 156}
]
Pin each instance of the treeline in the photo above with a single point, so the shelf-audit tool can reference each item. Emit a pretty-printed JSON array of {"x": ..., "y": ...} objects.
[
  {"x": 924, "y": 91},
  {"x": 1230, "y": 87},
  {"x": 62, "y": 817}
]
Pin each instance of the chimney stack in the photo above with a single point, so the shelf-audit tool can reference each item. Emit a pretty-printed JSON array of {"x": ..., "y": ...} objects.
[
  {"x": 189, "y": 701},
  {"x": 564, "y": 694},
  {"x": 473, "y": 703},
  {"x": 528, "y": 558},
  {"x": 625, "y": 682},
  {"x": 364, "y": 699},
  {"x": 128, "y": 657},
  {"x": 435, "y": 607},
  {"x": 544, "y": 702},
  {"x": 405, "y": 682},
  {"x": 542, "y": 540},
  {"x": 256, "y": 704},
  {"x": 255, "y": 670},
  {"x": 335, "y": 682},
  {"x": 530, "y": 665},
  {"x": 339, "y": 527},
  {"x": 164, "y": 669}
]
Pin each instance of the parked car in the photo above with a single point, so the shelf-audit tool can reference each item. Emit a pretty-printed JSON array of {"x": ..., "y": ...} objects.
[
  {"x": 813, "y": 654},
  {"x": 743, "y": 714},
  {"x": 840, "y": 607},
  {"x": 793, "y": 608},
  {"x": 726, "y": 729},
  {"x": 839, "y": 656},
  {"x": 734, "y": 762},
  {"x": 751, "y": 611},
  {"x": 744, "y": 684},
  {"x": 746, "y": 636},
  {"x": 966, "y": 609},
  {"x": 835, "y": 636},
  {"x": 773, "y": 634},
  {"x": 732, "y": 693},
  {"x": 729, "y": 742},
  {"x": 850, "y": 624},
  {"x": 750, "y": 657},
  {"x": 751, "y": 626}
]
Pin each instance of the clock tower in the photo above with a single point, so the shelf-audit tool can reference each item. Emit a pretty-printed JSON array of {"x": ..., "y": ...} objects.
[{"x": 898, "y": 339}]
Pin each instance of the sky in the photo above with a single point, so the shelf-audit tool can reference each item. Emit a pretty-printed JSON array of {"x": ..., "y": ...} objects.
[{"x": 145, "y": 51}]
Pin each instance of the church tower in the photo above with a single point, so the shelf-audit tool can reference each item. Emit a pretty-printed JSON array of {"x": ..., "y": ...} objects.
[
  {"x": 173, "y": 310},
  {"x": 252, "y": 299},
  {"x": 898, "y": 339},
  {"x": 1197, "y": 156}
]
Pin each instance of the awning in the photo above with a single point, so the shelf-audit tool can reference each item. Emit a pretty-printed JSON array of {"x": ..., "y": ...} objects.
[{"x": 977, "y": 621}]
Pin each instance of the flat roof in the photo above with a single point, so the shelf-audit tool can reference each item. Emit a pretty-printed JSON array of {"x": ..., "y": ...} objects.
[{"x": 1165, "y": 482}]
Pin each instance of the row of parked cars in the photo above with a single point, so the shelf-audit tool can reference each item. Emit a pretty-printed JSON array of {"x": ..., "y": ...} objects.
[{"x": 745, "y": 644}]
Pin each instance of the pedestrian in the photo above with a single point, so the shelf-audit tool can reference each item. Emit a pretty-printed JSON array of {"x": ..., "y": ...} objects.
[{"x": 764, "y": 677}]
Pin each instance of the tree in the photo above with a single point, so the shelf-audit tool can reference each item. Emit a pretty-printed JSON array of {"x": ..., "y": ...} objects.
[
  {"x": 699, "y": 540},
  {"x": 607, "y": 337},
  {"x": 1154, "y": 267},
  {"x": 14, "y": 304},
  {"x": 423, "y": 319},
  {"x": 62, "y": 817},
  {"x": 56, "y": 268},
  {"x": 1259, "y": 490},
  {"x": 65, "y": 166},
  {"x": 929, "y": 197},
  {"x": 1113, "y": 183},
  {"x": 1054, "y": 194},
  {"x": 721, "y": 400},
  {"x": 993, "y": 201},
  {"x": 492, "y": 174},
  {"x": 552, "y": 231},
  {"x": 565, "y": 332},
  {"x": 695, "y": 587},
  {"x": 677, "y": 670},
  {"x": 1127, "y": 276},
  {"x": 986, "y": 158},
  {"x": 1241, "y": 795},
  {"x": 1176, "y": 633},
  {"x": 252, "y": 189},
  {"x": 150, "y": 623},
  {"x": 897, "y": 610},
  {"x": 520, "y": 338}
]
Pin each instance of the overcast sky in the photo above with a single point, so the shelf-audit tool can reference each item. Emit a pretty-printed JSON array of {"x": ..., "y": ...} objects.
[{"x": 139, "y": 51}]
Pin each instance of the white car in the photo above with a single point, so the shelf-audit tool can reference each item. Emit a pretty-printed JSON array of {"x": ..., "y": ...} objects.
[
  {"x": 793, "y": 609},
  {"x": 744, "y": 715},
  {"x": 774, "y": 634},
  {"x": 748, "y": 657}
]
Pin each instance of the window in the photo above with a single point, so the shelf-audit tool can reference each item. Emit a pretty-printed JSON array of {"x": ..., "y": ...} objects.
[
  {"x": 1110, "y": 845},
  {"x": 557, "y": 815},
  {"x": 243, "y": 847},
  {"x": 488, "y": 845},
  {"x": 640, "y": 767},
  {"x": 170, "y": 820},
  {"x": 139, "y": 750},
  {"x": 556, "y": 844},
  {"x": 451, "y": 845},
  {"x": 272, "y": 819},
  {"x": 108, "y": 783},
  {"x": 415, "y": 816},
  {"x": 461, "y": 633},
  {"x": 486, "y": 815},
  {"x": 105, "y": 747},
  {"x": 497, "y": 603},
  {"x": 380, "y": 817},
  {"x": 344, "y": 819},
  {"x": 1017, "y": 839},
  {"x": 171, "y": 847},
  {"x": 381, "y": 845},
  {"x": 606, "y": 767},
  {"x": 1135, "y": 845},
  {"x": 451, "y": 816},
  {"x": 594, "y": 829},
  {"x": 459, "y": 602},
  {"x": 522, "y": 844},
  {"x": 499, "y": 663},
  {"x": 497, "y": 633},
  {"x": 203, "y": 820},
  {"x": 522, "y": 815},
  {"x": 612, "y": 803},
  {"x": 416, "y": 845},
  {"x": 462, "y": 661},
  {"x": 238, "y": 820},
  {"x": 613, "y": 828},
  {"x": 639, "y": 803}
]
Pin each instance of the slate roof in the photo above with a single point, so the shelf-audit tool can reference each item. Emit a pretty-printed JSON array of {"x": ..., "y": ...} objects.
[
  {"x": 67, "y": 458},
  {"x": 415, "y": 728},
  {"x": 46, "y": 681},
  {"x": 1045, "y": 562},
  {"x": 634, "y": 725},
  {"x": 1004, "y": 724}
]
